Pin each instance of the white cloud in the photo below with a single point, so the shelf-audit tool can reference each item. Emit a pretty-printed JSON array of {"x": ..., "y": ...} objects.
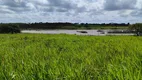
[{"x": 70, "y": 10}]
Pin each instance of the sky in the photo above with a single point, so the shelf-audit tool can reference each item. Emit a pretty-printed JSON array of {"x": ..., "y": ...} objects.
[{"x": 75, "y": 11}]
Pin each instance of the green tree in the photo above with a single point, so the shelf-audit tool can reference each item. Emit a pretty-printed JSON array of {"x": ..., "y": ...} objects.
[
  {"x": 137, "y": 28},
  {"x": 9, "y": 29}
]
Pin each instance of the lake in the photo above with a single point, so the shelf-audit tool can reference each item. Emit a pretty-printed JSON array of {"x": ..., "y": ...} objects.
[{"x": 77, "y": 32}]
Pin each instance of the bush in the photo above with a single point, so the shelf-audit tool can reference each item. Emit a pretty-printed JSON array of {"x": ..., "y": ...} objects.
[
  {"x": 137, "y": 28},
  {"x": 9, "y": 29}
]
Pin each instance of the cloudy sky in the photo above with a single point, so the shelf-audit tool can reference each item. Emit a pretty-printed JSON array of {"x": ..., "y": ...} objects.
[{"x": 91, "y": 11}]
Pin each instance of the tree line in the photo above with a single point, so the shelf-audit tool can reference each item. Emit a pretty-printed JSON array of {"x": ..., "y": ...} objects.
[{"x": 65, "y": 25}]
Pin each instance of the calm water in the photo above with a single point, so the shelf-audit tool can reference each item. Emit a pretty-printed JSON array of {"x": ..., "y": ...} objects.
[{"x": 77, "y": 32}]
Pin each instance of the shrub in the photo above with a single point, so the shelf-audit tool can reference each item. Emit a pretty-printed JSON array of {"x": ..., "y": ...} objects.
[
  {"x": 9, "y": 29},
  {"x": 137, "y": 28}
]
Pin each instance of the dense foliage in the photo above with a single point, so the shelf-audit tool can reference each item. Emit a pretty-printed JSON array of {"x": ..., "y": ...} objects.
[
  {"x": 137, "y": 28},
  {"x": 70, "y": 57},
  {"x": 70, "y": 25},
  {"x": 9, "y": 29}
]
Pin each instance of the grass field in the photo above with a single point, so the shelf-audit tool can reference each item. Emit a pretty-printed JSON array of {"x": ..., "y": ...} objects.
[{"x": 70, "y": 57}]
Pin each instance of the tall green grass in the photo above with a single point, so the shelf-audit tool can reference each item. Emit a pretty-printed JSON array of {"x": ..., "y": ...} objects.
[{"x": 70, "y": 57}]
